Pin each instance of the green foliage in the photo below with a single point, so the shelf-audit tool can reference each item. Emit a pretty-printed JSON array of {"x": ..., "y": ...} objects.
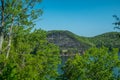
[
  {"x": 95, "y": 64},
  {"x": 117, "y": 23},
  {"x": 19, "y": 13},
  {"x": 110, "y": 40},
  {"x": 31, "y": 57},
  {"x": 25, "y": 54}
]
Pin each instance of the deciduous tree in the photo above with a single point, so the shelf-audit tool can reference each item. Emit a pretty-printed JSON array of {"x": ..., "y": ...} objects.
[
  {"x": 25, "y": 53},
  {"x": 95, "y": 64},
  {"x": 20, "y": 13}
]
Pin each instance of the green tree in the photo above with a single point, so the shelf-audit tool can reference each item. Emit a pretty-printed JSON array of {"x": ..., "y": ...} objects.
[
  {"x": 117, "y": 23},
  {"x": 95, "y": 64},
  {"x": 20, "y": 13},
  {"x": 25, "y": 54},
  {"x": 31, "y": 57}
]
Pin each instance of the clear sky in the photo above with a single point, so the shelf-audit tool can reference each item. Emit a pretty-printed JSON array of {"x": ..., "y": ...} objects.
[{"x": 82, "y": 17}]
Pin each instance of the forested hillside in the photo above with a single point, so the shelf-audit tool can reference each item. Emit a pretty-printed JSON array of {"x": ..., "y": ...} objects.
[
  {"x": 72, "y": 43},
  {"x": 110, "y": 39}
]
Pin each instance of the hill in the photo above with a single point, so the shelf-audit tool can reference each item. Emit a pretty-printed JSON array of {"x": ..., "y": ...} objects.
[
  {"x": 69, "y": 42},
  {"x": 110, "y": 39}
]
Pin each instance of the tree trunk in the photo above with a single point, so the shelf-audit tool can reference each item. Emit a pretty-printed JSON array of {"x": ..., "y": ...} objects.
[
  {"x": 2, "y": 25},
  {"x": 10, "y": 39},
  {"x": 1, "y": 41},
  {"x": 9, "y": 44}
]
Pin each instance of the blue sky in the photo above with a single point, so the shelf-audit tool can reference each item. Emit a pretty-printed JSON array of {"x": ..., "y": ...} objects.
[{"x": 82, "y": 17}]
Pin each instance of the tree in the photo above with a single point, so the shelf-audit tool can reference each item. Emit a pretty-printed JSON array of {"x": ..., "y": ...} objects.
[
  {"x": 25, "y": 53},
  {"x": 117, "y": 23},
  {"x": 20, "y": 13},
  {"x": 31, "y": 57},
  {"x": 95, "y": 64}
]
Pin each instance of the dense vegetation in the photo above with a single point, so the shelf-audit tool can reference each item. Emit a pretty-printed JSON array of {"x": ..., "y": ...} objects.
[
  {"x": 95, "y": 64},
  {"x": 31, "y": 57},
  {"x": 27, "y": 53},
  {"x": 110, "y": 39}
]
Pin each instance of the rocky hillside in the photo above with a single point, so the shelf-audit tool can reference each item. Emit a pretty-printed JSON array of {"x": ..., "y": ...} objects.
[
  {"x": 72, "y": 43},
  {"x": 68, "y": 42}
]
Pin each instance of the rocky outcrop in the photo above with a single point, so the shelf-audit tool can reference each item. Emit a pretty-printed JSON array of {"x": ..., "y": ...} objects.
[{"x": 67, "y": 41}]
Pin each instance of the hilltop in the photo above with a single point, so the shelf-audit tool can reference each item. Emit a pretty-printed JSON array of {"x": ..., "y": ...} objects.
[
  {"x": 69, "y": 42},
  {"x": 109, "y": 39}
]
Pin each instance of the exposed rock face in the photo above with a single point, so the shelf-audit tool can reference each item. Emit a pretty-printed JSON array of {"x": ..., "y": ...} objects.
[
  {"x": 70, "y": 43},
  {"x": 67, "y": 42}
]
